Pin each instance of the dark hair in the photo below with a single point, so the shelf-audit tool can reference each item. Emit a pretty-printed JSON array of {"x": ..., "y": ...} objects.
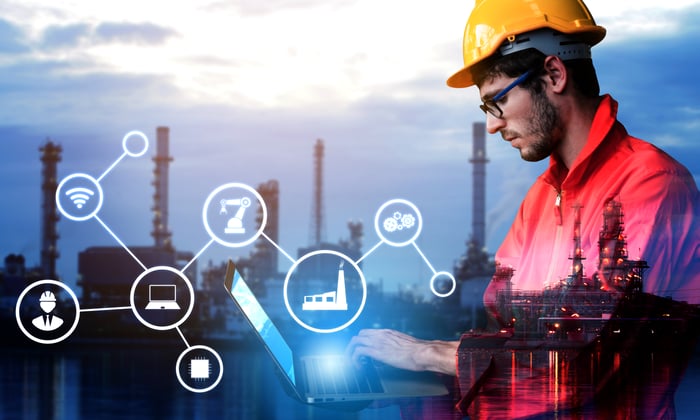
[{"x": 582, "y": 72}]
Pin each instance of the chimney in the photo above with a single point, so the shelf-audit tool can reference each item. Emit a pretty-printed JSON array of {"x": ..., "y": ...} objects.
[
  {"x": 317, "y": 219},
  {"x": 50, "y": 156},
  {"x": 479, "y": 187},
  {"x": 161, "y": 234}
]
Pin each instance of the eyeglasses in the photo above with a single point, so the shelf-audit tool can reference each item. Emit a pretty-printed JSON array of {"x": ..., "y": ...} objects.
[{"x": 492, "y": 107}]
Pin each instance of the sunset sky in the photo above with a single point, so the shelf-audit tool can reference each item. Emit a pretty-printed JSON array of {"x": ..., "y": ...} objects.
[{"x": 247, "y": 87}]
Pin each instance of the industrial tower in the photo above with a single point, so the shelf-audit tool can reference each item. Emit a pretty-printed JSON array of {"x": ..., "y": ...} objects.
[
  {"x": 317, "y": 232},
  {"x": 322, "y": 268},
  {"x": 576, "y": 278},
  {"x": 103, "y": 270},
  {"x": 263, "y": 259},
  {"x": 50, "y": 156},
  {"x": 160, "y": 233},
  {"x": 479, "y": 184},
  {"x": 476, "y": 262}
]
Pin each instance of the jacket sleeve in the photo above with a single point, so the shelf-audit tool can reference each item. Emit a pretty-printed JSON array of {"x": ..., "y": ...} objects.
[{"x": 663, "y": 230}]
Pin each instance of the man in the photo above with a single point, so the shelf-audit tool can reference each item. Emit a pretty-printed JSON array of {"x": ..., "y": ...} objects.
[{"x": 531, "y": 62}]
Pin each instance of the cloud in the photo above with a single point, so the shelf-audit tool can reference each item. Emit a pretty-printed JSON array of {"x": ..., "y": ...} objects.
[
  {"x": 84, "y": 34},
  {"x": 653, "y": 79},
  {"x": 409, "y": 137},
  {"x": 78, "y": 93},
  {"x": 12, "y": 40},
  {"x": 646, "y": 19},
  {"x": 133, "y": 33},
  {"x": 258, "y": 8},
  {"x": 65, "y": 36}
]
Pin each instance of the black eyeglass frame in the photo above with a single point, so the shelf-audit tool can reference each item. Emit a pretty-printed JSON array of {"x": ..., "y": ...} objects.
[{"x": 490, "y": 105}]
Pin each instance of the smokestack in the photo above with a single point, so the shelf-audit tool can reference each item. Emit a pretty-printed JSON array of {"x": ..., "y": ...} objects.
[
  {"x": 479, "y": 179},
  {"x": 161, "y": 234},
  {"x": 50, "y": 156},
  {"x": 341, "y": 300},
  {"x": 265, "y": 253},
  {"x": 317, "y": 222}
]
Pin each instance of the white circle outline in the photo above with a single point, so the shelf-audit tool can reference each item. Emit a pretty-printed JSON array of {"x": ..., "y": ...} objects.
[
  {"x": 418, "y": 216},
  {"x": 139, "y": 134},
  {"x": 100, "y": 196},
  {"x": 218, "y": 359},
  {"x": 359, "y": 310},
  {"x": 149, "y": 271},
  {"x": 62, "y": 286},
  {"x": 442, "y": 273},
  {"x": 205, "y": 220}
]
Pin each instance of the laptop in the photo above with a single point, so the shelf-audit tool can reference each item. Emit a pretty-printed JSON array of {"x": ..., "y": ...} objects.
[
  {"x": 162, "y": 296},
  {"x": 326, "y": 379}
]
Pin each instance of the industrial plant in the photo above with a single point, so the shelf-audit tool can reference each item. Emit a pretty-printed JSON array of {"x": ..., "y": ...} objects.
[
  {"x": 106, "y": 273},
  {"x": 578, "y": 309}
]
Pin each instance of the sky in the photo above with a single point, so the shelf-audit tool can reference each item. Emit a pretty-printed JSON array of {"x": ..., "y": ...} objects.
[{"x": 246, "y": 88}]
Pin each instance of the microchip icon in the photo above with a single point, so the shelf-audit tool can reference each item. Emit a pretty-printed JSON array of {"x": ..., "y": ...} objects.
[{"x": 200, "y": 369}]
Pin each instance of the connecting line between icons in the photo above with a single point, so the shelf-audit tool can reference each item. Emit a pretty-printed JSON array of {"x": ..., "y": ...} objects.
[
  {"x": 117, "y": 308},
  {"x": 369, "y": 252},
  {"x": 279, "y": 248},
  {"x": 104, "y": 225},
  {"x": 412, "y": 243},
  {"x": 81, "y": 189},
  {"x": 183, "y": 337},
  {"x": 407, "y": 219},
  {"x": 197, "y": 256},
  {"x": 423, "y": 255},
  {"x": 112, "y": 166}
]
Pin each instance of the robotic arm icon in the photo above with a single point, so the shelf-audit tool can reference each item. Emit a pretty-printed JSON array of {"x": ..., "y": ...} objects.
[{"x": 235, "y": 224}]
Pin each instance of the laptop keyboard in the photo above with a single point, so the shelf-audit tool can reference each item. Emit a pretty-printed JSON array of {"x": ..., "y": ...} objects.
[{"x": 334, "y": 375}]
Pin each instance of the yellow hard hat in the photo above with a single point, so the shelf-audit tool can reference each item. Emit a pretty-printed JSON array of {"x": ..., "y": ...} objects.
[{"x": 493, "y": 22}]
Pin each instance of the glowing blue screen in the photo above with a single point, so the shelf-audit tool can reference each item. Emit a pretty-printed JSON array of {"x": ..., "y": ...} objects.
[{"x": 262, "y": 323}]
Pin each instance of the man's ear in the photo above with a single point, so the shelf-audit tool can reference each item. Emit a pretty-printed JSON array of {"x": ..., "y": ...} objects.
[{"x": 556, "y": 76}]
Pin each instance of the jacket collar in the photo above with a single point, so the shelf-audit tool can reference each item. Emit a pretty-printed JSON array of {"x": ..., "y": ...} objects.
[{"x": 603, "y": 122}]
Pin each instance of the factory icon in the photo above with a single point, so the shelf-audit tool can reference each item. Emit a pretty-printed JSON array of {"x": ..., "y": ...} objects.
[{"x": 330, "y": 301}]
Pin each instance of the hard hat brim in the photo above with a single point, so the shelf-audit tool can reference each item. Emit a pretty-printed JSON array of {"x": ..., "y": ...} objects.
[
  {"x": 492, "y": 23},
  {"x": 461, "y": 79}
]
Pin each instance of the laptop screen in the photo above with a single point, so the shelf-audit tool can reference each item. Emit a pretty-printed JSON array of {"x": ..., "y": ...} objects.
[
  {"x": 262, "y": 323},
  {"x": 161, "y": 292}
]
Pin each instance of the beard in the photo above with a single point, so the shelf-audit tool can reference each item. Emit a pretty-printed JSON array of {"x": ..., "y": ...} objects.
[{"x": 544, "y": 127}]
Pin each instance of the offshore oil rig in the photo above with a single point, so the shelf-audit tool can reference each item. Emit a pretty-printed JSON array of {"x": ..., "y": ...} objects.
[{"x": 581, "y": 309}]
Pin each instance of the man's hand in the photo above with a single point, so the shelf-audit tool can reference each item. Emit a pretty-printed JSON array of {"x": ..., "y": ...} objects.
[{"x": 403, "y": 351}]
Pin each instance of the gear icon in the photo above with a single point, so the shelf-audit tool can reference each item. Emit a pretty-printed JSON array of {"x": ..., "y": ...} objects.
[
  {"x": 408, "y": 220},
  {"x": 390, "y": 224},
  {"x": 399, "y": 221}
]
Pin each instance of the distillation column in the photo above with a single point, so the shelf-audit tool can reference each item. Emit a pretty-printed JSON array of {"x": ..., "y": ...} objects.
[
  {"x": 479, "y": 184},
  {"x": 50, "y": 156},
  {"x": 161, "y": 234},
  {"x": 317, "y": 219}
]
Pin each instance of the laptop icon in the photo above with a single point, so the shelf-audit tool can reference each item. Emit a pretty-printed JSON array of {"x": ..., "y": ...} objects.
[
  {"x": 327, "y": 378},
  {"x": 162, "y": 296}
]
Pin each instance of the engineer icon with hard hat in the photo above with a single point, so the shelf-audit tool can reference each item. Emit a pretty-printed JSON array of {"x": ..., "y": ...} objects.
[{"x": 47, "y": 321}]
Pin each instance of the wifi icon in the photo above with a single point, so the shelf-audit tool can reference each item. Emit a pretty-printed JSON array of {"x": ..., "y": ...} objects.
[{"x": 79, "y": 196}]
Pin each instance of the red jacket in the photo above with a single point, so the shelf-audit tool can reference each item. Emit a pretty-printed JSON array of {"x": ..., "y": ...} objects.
[{"x": 660, "y": 203}]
